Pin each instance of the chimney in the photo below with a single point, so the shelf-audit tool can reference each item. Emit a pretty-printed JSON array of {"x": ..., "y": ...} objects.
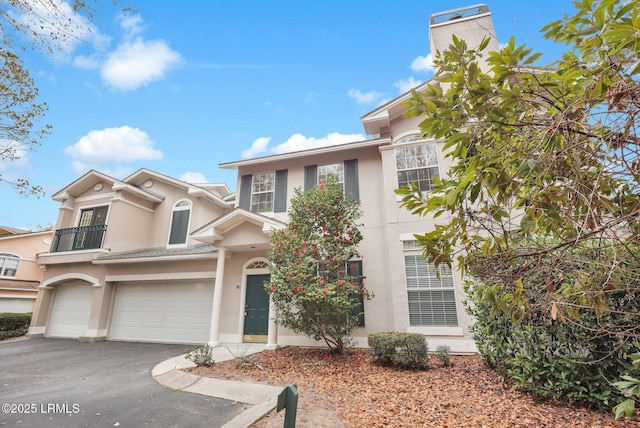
[{"x": 471, "y": 24}]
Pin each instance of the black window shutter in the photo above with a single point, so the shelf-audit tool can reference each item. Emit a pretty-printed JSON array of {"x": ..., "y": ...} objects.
[
  {"x": 354, "y": 269},
  {"x": 179, "y": 224},
  {"x": 245, "y": 192},
  {"x": 351, "y": 187},
  {"x": 280, "y": 197},
  {"x": 310, "y": 176}
]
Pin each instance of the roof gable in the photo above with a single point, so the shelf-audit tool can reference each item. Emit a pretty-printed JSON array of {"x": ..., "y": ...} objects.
[
  {"x": 216, "y": 229},
  {"x": 374, "y": 121}
]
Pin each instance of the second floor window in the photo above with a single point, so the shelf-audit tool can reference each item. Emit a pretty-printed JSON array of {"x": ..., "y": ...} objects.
[
  {"x": 416, "y": 163},
  {"x": 180, "y": 222},
  {"x": 262, "y": 192},
  {"x": 334, "y": 170},
  {"x": 9, "y": 264}
]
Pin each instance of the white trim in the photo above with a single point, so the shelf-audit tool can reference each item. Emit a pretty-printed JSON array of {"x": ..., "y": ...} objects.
[
  {"x": 243, "y": 288},
  {"x": 436, "y": 330},
  {"x": 180, "y": 208},
  {"x": 408, "y": 236},
  {"x": 160, "y": 276},
  {"x": 68, "y": 276},
  {"x": 17, "y": 296}
]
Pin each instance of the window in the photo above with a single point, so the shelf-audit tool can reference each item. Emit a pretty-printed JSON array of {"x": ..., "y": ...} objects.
[
  {"x": 353, "y": 268},
  {"x": 180, "y": 222},
  {"x": 416, "y": 162},
  {"x": 335, "y": 170},
  {"x": 431, "y": 294},
  {"x": 9, "y": 264},
  {"x": 90, "y": 233},
  {"x": 262, "y": 192},
  {"x": 345, "y": 172}
]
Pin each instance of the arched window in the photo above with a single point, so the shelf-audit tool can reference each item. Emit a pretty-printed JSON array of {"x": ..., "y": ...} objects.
[
  {"x": 9, "y": 264},
  {"x": 416, "y": 161},
  {"x": 180, "y": 222}
]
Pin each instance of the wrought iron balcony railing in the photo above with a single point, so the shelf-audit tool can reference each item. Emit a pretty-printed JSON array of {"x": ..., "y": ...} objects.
[{"x": 78, "y": 238}]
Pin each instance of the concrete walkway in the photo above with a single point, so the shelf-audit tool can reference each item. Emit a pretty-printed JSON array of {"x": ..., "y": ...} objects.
[{"x": 261, "y": 398}]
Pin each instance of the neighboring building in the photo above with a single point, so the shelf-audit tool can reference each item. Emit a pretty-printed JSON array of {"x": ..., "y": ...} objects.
[
  {"x": 151, "y": 258},
  {"x": 20, "y": 273}
]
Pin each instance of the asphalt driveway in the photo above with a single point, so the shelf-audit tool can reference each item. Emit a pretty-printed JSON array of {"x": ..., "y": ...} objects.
[{"x": 65, "y": 383}]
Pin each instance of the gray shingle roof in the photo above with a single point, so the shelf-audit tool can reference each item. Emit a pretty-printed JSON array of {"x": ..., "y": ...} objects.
[{"x": 159, "y": 252}]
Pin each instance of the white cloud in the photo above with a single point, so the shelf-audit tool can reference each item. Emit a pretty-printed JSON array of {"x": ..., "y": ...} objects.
[
  {"x": 132, "y": 24},
  {"x": 123, "y": 144},
  {"x": 404, "y": 85},
  {"x": 193, "y": 177},
  {"x": 299, "y": 142},
  {"x": 259, "y": 146},
  {"x": 364, "y": 97},
  {"x": 138, "y": 63},
  {"x": 117, "y": 171},
  {"x": 90, "y": 62},
  {"x": 423, "y": 64}
]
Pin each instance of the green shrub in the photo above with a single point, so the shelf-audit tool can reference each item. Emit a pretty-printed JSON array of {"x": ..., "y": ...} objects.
[
  {"x": 14, "y": 324},
  {"x": 442, "y": 352},
  {"x": 201, "y": 355},
  {"x": 405, "y": 350},
  {"x": 548, "y": 358}
]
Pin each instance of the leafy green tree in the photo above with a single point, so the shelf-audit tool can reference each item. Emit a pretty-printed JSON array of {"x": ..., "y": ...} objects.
[
  {"x": 544, "y": 191},
  {"x": 312, "y": 285}
]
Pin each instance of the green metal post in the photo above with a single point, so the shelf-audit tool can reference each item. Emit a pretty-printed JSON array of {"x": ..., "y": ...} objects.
[{"x": 288, "y": 399}]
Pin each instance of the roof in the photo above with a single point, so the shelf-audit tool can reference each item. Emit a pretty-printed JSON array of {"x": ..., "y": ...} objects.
[
  {"x": 140, "y": 184},
  {"x": 157, "y": 254},
  {"x": 382, "y": 116},
  {"x": 306, "y": 153},
  {"x": 6, "y": 230},
  {"x": 18, "y": 284}
]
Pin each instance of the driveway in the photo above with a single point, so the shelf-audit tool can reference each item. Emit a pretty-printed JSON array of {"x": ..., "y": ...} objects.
[{"x": 65, "y": 383}]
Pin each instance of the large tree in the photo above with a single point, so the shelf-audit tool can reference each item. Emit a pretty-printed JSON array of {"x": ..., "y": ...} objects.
[
  {"x": 51, "y": 27},
  {"x": 315, "y": 284},
  {"x": 544, "y": 191}
]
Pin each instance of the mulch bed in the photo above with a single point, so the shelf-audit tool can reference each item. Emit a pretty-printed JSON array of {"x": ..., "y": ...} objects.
[{"x": 352, "y": 391}]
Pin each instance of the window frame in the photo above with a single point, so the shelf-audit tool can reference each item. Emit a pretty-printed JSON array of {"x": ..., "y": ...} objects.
[
  {"x": 428, "y": 283},
  {"x": 321, "y": 176},
  {"x": 4, "y": 258},
  {"x": 255, "y": 206},
  {"x": 430, "y": 169},
  {"x": 180, "y": 206}
]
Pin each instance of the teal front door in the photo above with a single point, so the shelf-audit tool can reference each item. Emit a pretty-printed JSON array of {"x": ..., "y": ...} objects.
[{"x": 256, "y": 315}]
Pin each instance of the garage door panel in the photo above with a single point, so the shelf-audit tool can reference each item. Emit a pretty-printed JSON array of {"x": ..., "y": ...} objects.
[
  {"x": 71, "y": 310},
  {"x": 16, "y": 305},
  {"x": 163, "y": 312}
]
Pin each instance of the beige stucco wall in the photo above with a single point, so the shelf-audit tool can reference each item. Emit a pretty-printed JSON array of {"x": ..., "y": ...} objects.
[{"x": 27, "y": 247}]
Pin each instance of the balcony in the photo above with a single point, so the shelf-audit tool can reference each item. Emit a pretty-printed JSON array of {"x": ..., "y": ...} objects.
[{"x": 78, "y": 238}]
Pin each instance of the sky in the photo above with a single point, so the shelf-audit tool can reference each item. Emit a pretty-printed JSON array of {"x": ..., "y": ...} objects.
[{"x": 180, "y": 87}]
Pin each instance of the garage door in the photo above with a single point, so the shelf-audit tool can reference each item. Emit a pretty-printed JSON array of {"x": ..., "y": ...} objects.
[
  {"x": 177, "y": 312},
  {"x": 16, "y": 305},
  {"x": 71, "y": 309}
]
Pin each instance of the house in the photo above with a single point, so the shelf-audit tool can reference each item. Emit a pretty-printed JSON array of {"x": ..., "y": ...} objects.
[
  {"x": 151, "y": 258},
  {"x": 20, "y": 273}
]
